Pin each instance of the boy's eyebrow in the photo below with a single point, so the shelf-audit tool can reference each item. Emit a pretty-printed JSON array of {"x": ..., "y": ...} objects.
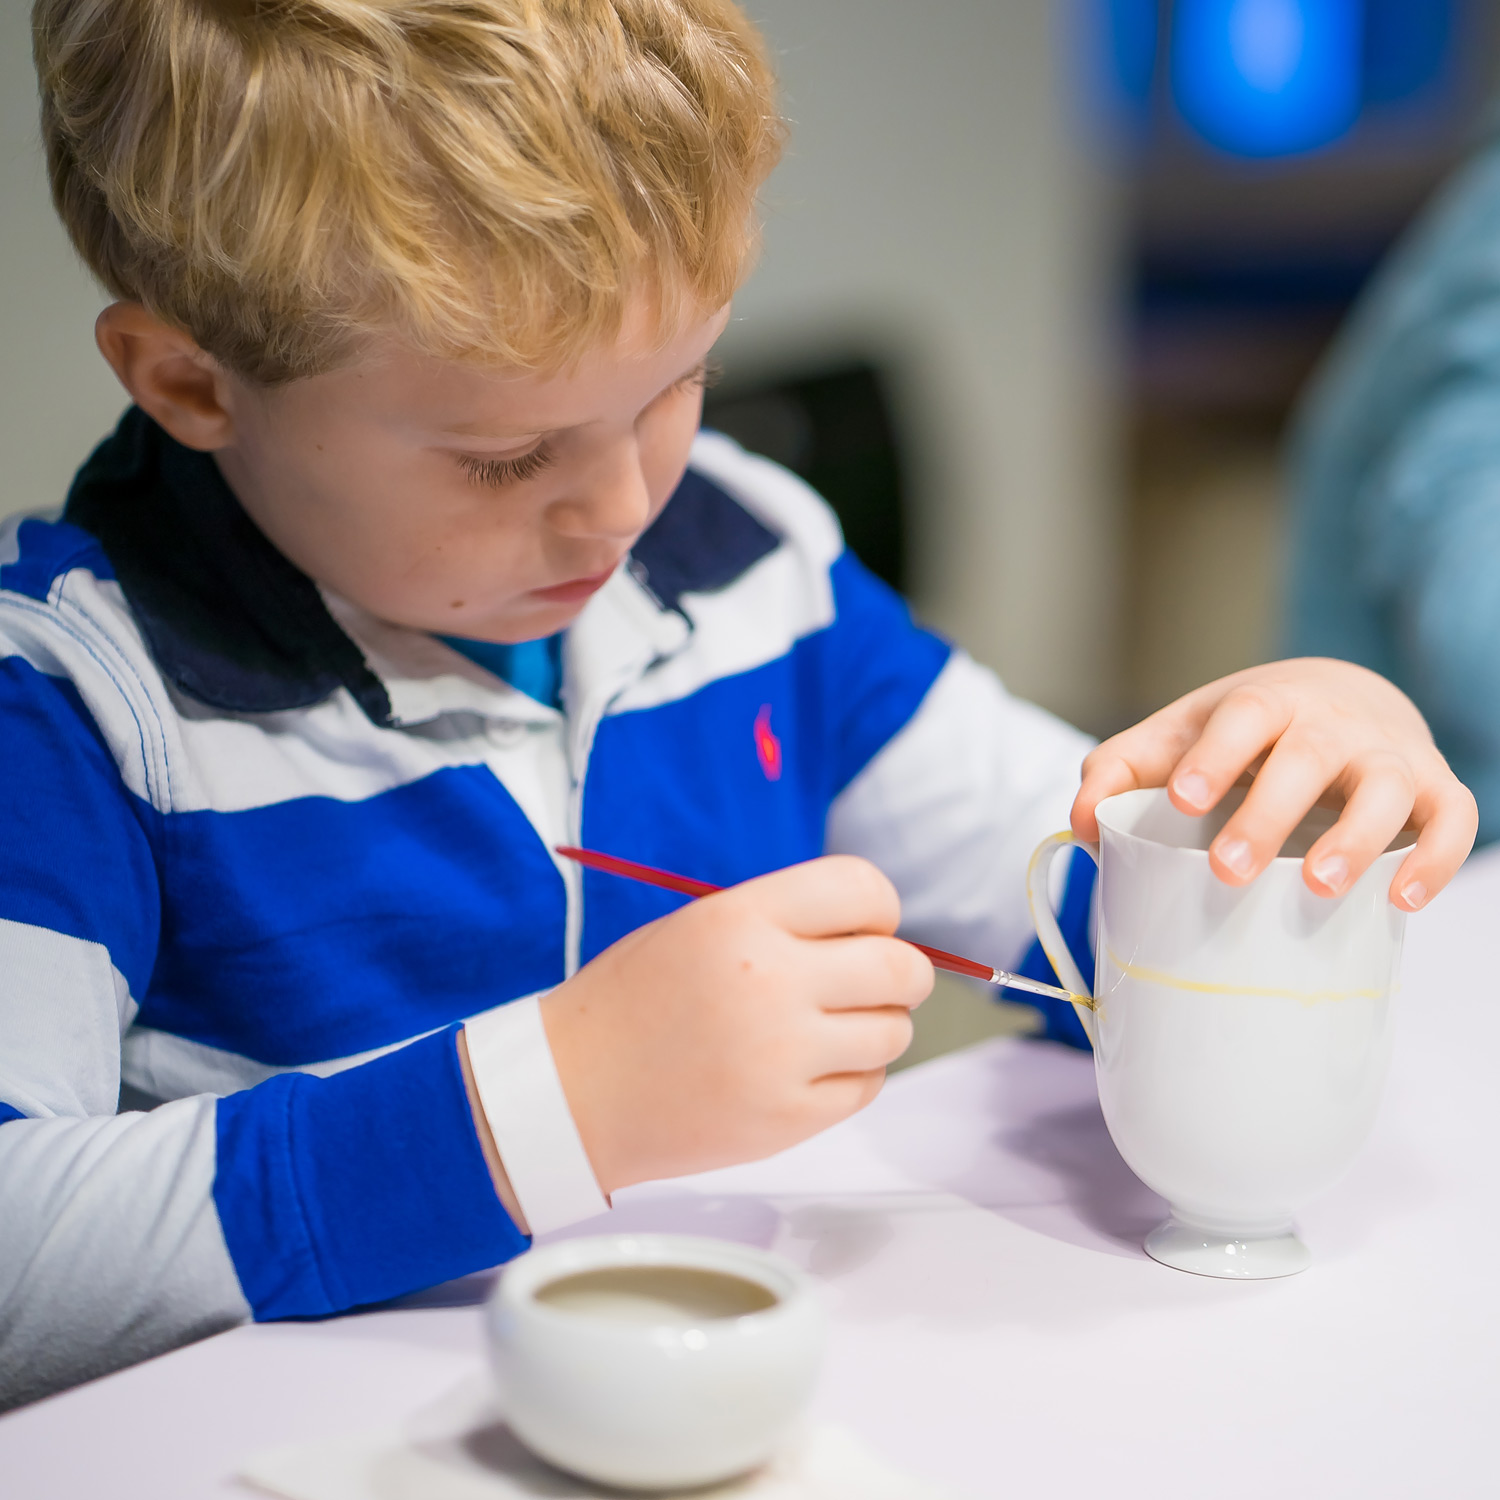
[{"x": 482, "y": 431}]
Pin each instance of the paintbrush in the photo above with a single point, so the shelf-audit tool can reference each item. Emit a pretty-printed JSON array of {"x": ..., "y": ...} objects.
[{"x": 685, "y": 885}]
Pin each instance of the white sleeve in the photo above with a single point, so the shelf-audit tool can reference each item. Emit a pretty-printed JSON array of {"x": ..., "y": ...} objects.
[
  {"x": 953, "y": 806},
  {"x": 110, "y": 1246}
]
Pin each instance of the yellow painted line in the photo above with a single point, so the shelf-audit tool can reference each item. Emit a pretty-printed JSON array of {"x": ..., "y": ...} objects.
[{"x": 1203, "y": 987}]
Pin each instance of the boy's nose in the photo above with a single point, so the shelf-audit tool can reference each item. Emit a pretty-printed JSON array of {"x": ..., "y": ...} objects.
[{"x": 611, "y": 500}]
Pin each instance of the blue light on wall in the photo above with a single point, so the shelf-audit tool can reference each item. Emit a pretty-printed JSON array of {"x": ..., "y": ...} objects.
[
  {"x": 1265, "y": 78},
  {"x": 1268, "y": 78}
]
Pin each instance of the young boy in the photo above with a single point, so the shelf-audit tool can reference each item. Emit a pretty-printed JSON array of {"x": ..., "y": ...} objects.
[{"x": 407, "y": 565}]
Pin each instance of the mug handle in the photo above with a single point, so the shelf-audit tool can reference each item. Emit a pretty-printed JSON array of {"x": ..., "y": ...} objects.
[{"x": 1054, "y": 945}]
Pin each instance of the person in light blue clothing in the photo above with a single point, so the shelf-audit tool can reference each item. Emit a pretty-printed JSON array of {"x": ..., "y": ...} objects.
[{"x": 1395, "y": 545}]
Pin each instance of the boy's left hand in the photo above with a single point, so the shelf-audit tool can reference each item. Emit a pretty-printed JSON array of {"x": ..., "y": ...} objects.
[{"x": 1306, "y": 728}]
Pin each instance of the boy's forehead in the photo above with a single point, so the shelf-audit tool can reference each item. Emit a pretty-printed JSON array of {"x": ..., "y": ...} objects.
[{"x": 462, "y": 400}]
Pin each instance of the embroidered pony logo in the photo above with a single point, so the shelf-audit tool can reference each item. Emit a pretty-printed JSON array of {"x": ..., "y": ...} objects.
[{"x": 767, "y": 746}]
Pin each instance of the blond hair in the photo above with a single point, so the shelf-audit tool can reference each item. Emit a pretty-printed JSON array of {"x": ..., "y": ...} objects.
[{"x": 484, "y": 179}]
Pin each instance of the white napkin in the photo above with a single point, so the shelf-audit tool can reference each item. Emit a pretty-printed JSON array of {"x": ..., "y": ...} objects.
[{"x": 462, "y": 1450}]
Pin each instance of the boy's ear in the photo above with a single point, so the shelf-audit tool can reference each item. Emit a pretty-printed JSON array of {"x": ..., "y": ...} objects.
[{"x": 168, "y": 376}]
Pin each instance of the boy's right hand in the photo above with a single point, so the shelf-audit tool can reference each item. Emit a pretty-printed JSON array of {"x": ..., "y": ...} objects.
[{"x": 739, "y": 1025}]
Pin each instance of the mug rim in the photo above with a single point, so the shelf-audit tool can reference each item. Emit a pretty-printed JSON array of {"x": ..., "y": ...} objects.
[{"x": 1159, "y": 793}]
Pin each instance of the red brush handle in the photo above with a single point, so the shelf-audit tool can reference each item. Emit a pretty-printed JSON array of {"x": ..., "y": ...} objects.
[
  {"x": 685, "y": 885},
  {"x": 612, "y": 864}
]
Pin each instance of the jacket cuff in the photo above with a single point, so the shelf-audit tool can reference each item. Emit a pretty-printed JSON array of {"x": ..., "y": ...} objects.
[{"x": 335, "y": 1192}]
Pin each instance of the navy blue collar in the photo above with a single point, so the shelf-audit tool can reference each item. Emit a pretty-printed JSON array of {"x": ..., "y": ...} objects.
[
  {"x": 229, "y": 620},
  {"x": 234, "y": 624}
]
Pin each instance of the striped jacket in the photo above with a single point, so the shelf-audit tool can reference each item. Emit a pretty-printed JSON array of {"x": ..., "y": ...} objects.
[{"x": 263, "y": 853}]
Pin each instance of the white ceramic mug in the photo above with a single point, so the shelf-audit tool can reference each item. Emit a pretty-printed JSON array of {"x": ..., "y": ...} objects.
[
  {"x": 1241, "y": 1036},
  {"x": 606, "y": 1371}
]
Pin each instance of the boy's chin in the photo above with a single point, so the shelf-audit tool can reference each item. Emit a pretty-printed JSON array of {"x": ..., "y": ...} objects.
[{"x": 534, "y": 622}]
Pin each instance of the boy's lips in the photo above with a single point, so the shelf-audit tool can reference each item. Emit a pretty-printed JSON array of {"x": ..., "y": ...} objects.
[{"x": 574, "y": 589}]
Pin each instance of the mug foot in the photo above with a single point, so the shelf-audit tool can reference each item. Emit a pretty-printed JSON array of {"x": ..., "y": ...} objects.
[{"x": 1216, "y": 1252}]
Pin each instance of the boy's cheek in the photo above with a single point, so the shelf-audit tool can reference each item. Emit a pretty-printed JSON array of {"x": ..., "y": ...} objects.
[
  {"x": 444, "y": 583},
  {"x": 665, "y": 447}
]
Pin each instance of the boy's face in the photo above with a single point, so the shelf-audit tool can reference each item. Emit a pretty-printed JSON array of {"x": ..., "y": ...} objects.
[{"x": 463, "y": 501}]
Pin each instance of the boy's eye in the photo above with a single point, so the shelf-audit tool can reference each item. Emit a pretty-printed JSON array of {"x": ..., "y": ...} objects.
[
  {"x": 704, "y": 378},
  {"x": 496, "y": 472}
]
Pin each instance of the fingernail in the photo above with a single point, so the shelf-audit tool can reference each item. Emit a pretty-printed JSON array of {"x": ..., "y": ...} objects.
[
  {"x": 1237, "y": 856},
  {"x": 1414, "y": 895},
  {"x": 1192, "y": 787},
  {"x": 1332, "y": 873}
]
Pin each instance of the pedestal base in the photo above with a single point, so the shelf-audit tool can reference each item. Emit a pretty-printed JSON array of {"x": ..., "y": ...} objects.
[{"x": 1215, "y": 1252}]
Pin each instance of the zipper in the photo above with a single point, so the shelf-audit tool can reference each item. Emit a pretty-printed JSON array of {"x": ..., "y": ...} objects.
[
  {"x": 578, "y": 746},
  {"x": 652, "y": 638}
]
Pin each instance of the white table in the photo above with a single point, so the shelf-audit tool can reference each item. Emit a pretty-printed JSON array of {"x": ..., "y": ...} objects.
[{"x": 996, "y": 1326}]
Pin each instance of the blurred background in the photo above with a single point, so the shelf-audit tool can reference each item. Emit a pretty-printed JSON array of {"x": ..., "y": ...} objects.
[{"x": 1041, "y": 282}]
